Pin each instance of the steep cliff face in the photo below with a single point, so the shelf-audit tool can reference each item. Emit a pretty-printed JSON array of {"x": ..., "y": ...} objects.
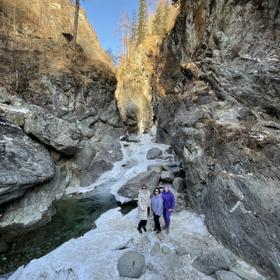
[
  {"x": 134, "y": 87},
  {"x": 136, "y": 73},
  {"x": 54, "y": 96},
  {"x": 216, "y": 100},
  {"x": 38, "y": 23}
]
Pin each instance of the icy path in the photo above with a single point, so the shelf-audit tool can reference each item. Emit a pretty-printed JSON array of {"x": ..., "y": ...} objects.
[
  {"x": 134, "y": 162},
  {"x": 95, "y": 255}
]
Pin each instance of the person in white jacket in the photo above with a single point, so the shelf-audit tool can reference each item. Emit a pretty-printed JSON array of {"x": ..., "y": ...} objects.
[{"x": 143, "y": 204}]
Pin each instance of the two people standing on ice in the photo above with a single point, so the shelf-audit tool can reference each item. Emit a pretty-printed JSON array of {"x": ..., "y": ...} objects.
[{"x": 161, "y": 204}]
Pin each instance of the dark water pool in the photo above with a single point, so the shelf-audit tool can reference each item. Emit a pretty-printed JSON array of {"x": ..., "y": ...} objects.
[{"x": 73, "y": 218}]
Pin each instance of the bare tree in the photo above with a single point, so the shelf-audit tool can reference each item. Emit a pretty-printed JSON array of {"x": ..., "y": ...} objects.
[
  {"x": 14, "y": 16},
  {"x": 124, "y": 27},
  {"x": 76, "y": 22},
  {"x": 142, "y": 20}
]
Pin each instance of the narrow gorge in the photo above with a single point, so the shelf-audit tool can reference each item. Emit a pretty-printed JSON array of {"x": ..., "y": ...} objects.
[
  {"x": 196, "y": 106},
  {"x": 215, "y": 98}
]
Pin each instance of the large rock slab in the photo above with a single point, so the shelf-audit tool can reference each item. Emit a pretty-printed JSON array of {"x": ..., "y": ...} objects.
[
  {"x": 223, "y": 123},
  {"x": 94, "y": 158},
  {"x": 212, "y": 261},
  {"x": 53, "y": 131},
  {"x": 35, "y": 208},
  {"x": 93, "y": 105},
  {"x": 23, "y": 162},
  {"x": 131, "y": 188},
  {"x": 131, "y": 264},
  {"x": 167, "y": 176},
  {"x": 226, "y": 275},
  {"x": 155, "y": 167},
  {"x": 237, "y": 207},
  {"x": 154, "y": 153}
]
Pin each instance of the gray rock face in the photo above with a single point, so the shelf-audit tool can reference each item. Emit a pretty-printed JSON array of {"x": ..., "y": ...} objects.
[
  {"x": 167, "y": 176},
  {"x": 94, "y": 158},
  {"x": 130, "y": 118},
  {"x": 212, "y": 261},
  {"x": 53, "y": 131},
  {"x": 226, "y": 275},
  {"x": 177, "y": 171},
  {"x": 131, "y": 188},
  {"x": 94, "y": 105},
  {"x": 179, "y": 184},
  {"x": 154, "y": 153},
  {"x": 221, "y": 114},
  {"x": 15, "y": 115},
  {"x": 131, "y": 264},
  {"x": 35, "y": 208},
  {"x": 65, "y": 111},
  {"x": 23, "y": 162},
  {"x": 155, "y": 167}
]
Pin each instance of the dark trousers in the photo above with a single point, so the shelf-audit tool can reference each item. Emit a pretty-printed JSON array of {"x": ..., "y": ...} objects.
[
  {"x": 157, "y": 223},
  {"x": 166, "y": 216},
  {"x": 142, "y": 224}
]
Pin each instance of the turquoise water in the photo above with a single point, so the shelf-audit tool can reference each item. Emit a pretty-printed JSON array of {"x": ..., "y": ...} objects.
[{"x": 73, "y": 218}]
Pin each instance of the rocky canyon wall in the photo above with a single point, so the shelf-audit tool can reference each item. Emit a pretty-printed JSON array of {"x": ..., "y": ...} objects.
[
  {"x": 59, "y": 116},
  {"x": 216, "y": 99}
]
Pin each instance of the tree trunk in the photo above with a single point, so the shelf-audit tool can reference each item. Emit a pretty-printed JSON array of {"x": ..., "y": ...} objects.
[
  {"x": 14, "y": 16},
  {"x": 76, "y": 21}
]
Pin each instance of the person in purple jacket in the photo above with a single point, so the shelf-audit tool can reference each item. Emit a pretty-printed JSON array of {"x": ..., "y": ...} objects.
[{"x": 168, "y": 205}]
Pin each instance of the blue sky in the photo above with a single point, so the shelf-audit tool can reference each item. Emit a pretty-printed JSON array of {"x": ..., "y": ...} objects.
[{"x": 104, "y": 16}]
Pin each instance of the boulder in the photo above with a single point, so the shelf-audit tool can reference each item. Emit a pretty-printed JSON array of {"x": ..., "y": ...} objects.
[
  {"x": 35, "y": 208},
  {"x": 14, "y": 114},
  {"x": 130, "y": 118},
  {"x": 211, "y": 261},
  {"x": 131, "y": 188},
  {"x": 167, "y": 176},
  {"x": 131, "y": 264},
  {"x": 23, "y": 162},
  {"x": 53, "y": 131},
  {"x": 96, "y": 157},
  {"x": 154, "y": 153},
  {"x": 155, "y": 167},
  {"x": 247, "y": 273},
  {"x": 169, "y": 166},
  {"x": 226, "y": 275}
]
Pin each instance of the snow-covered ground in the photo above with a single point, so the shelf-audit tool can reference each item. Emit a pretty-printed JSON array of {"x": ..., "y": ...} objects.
[
  {"x": 133, "y": 163},
  {"x": 95, "y": 255}
]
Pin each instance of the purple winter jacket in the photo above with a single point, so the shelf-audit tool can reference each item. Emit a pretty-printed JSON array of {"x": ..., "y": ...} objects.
[{"x": 168, "y": 200}]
